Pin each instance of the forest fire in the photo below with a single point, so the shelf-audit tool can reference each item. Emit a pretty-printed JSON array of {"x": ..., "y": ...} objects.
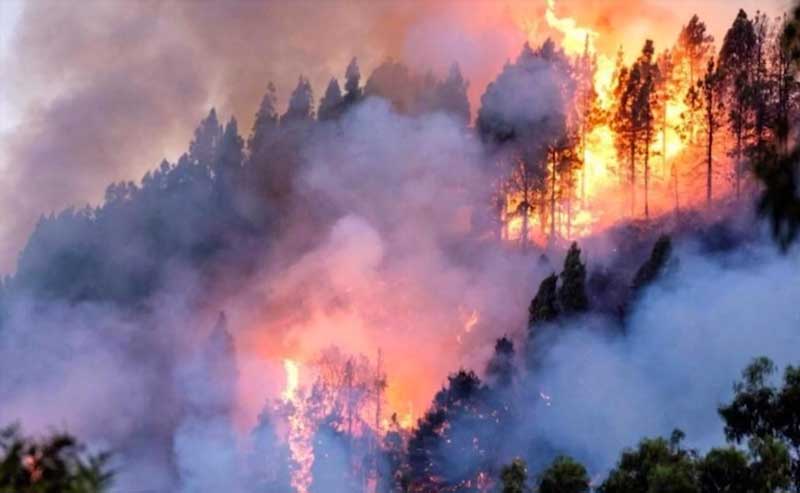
[
  {"x": 301, "y": 430},
  {"x": 630, "y": 161},
  {"x": 423, "y": 278},
  {"x": 633, "y": 131}
]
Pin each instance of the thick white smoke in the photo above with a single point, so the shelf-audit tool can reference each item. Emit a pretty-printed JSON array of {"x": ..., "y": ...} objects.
[{"x": 687, "y": 341}]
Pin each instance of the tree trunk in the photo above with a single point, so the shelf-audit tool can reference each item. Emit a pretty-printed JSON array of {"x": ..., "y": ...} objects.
[
  {"x": 738, "y": 161},
  {"x": 647, "y": 173},
  {"x": 675, "y": 188},
  {"x": 709, "y": 160},
  {"x": 633, "y": 174},
  {"x": 553, "y": 156},
  {"x": 664, "y": 140}
]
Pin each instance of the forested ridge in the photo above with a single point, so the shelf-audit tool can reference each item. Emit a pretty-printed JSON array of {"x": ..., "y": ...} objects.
[{"x": 232, "y": 207}]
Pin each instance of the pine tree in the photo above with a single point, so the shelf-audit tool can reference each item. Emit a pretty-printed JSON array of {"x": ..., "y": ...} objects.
[
  {"x": 228, "y": 166},
  {"x": 458, "y": 424},
  {"x": 500, "y": 369},
  {"x": 694, "y": 47},
  {"x": 330, "y": 106},
  {"x": 710, "y": 98},
  {"x": 544, "y": 306},
  {"x": 761, "y": 93},
  {"x": 626, "y": 128},
  {"x": 524, "y": 139},
  {"x": 352, "y": 90},
  {"x": 692, "y": 51},
  {"x": 264, "y": 126},
  {"x": 451, "y": 95},
  {"x": 655, "y": 265},
  {"x": 646, "y": 106},
  {"x": 301, "y": 103},
  {"x": 785, "y": 85},
  {"x": 563, "y": 162},
  {"x": 634, "y": 120},
  {"x": 667, "y": 88},
  {"x": 736, "y": 66},
  {"x": 204, "y": 146},
  {"x": 588, "y": 113},
  {"x": 572, "y": 293}
]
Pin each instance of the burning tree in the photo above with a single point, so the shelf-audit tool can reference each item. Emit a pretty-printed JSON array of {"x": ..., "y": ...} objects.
[
  {"x": 705, "y": 100},
  {"x": 524, "y": 116},
  {"x": 334, "y": 427},
  {"x": 634, "y": 120}
]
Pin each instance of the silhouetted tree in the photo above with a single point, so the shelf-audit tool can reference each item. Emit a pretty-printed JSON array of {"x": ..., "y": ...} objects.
[
  {"x": 514, "y": 477},
  {"x": 736, "y": 65},
  {"x": 706, "y": 99},
  {"x": 564, "y": 475},
  {"x": 501, "y": 368},
  {"x": 544, "y": 306},
  {"x": 655, "y": 265},
  {"x": 301, "y": 103},
  {"x": 204, "y": 147},
  {"x": 572, "y": 293},
  {"x": 56, "y": 464},
  {"x": 264, "y": 126},
  {"x": 352, "y": 90},
  {"x": 694, "y": 47},
  {"x": 330, "y": 106},
  {"x": 451, "y": 95},
  {"x": 452, "y": 442},
  {"x": 724, "y": 470},
  {"x": 656, "y": 465},
  {"x": 228, "y": 165},
  {"x": 393, "y": 464}
]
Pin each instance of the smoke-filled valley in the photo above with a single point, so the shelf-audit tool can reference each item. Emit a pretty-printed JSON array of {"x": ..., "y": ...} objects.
[{"x": 407, "y": 281}]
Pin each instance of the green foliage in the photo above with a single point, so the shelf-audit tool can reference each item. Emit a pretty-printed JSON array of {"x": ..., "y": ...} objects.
[
  {"x": 724, "y": 470},
  {"x": 56, "y": 464},
  {"x": 751, "y": 413},
  {"x": 564, "y": 475},
  {"x": 656, "y": 465},
  {"x": 771, "y": 467},
  {"x": 514, "y": 477},
  {"x": 768, "y": 417}
]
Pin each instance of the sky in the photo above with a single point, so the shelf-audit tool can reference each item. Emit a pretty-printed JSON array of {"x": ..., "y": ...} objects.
[
  {"x": 10, "y": 11},
  {"x": 102, "y": 93}
]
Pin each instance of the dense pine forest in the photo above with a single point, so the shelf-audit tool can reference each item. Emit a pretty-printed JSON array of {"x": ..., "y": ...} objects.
[{"x": 578, "y": 261}]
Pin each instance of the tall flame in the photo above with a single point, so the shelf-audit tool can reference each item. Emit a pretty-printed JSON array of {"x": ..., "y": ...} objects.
[
  {"x": 599, "y": 183},
  {"x": 292, "y": 370},
  {"x": 300, "y": 430}
]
